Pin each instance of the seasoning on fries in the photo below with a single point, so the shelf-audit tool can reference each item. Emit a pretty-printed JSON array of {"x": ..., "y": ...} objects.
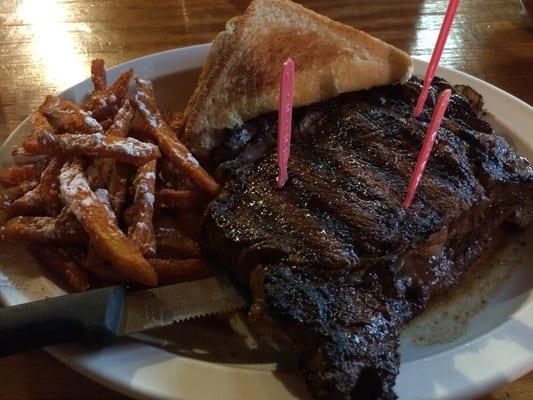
[
  {"x": 117, "y": 186},
  {"x": 104, "y": 192},
  {"x": 68, "y": 116},
  {"x": 42, "y": 129},
  {"x": 111, "y": 243},
  {"x": 99, "y": 172},
  {"x": 128, "y": 150},
  {"x": 170, "y": 145},
  {"x": 141, "y": 229},
  {"x": 104, "y": 102}
]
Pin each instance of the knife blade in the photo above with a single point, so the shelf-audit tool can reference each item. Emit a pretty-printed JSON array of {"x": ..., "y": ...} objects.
[
  {"x": 164, "y": 305},
  {"x": 99, "y": 316}
]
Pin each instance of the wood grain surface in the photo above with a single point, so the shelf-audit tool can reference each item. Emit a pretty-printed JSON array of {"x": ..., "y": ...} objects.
[{"x": 46, "y": 46}]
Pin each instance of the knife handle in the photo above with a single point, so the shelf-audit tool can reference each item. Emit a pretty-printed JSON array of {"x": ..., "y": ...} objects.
[{"x": 92, "y": 317}]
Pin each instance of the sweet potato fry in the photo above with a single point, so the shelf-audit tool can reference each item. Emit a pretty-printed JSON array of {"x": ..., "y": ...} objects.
[
  {"x": 103, "y": 196},
  {"x": 104, "y": 103},
  {"x": 76, "y": 254},
  {"x": 31, "y": 145},
  {"x": 128, "y": 150},
  {"x": 105, "y": 272},
  {"x": 139, "y": 124},
  {"x": 106, "y": 124},
  {"x": 99, "y": 172},
  {"x": 43, "y": 131},
  {"x": 44, "y": 197},
  {"x": 74, "y": 219},
  {"x": 143, "y": 136},
  {"x": 44, "y": 230},
  {"x": 167, "y": 116},
  {"x": 145, "y": 98},
  {"x": 93, "y": 259},
  {"x": 93, "y": 175},
  {"x": 68, "y": 116},
  {"x": 9, "y": 195},
  {"x": 176, "y": 152},
  {"x": 171, "y": 242},
  {"x": 122, "y": 122},
  {"x": 187, "y": 198},
  {"x": 105, "y": 235},
  {"x": 16, "y": 175},
  {"x": 189, "y": 221},
  {"x": 59, "y": 263},
  {"x": 100, "y": 270},
  {"x": 81, "y": 258},
  {"x": 173, "y": 120},
  {"x": 98, "y": 74},
  {"x": 22, "y": 157},
  {"x": 141, "y": 229},
  {"x": 170, "y": 176},
  {"x": 174, "y": 271},
  {"x": 117, "y": 186},
  {"x": 127, "y": 216},
  {"x": 48, "y": 188},
  {"x": 164, "y": 219},
  {"x": 180, "y": 156},
  {"x": 67, "y": 222},
  {"x": 176, "y": 123},
  {"x": 28, "y": 204}
]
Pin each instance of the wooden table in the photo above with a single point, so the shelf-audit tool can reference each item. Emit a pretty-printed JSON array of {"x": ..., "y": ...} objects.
[{"x": 46, "y": 46}]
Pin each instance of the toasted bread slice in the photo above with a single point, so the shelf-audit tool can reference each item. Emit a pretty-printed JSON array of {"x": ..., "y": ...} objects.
[{"x": 240, "y": 79}]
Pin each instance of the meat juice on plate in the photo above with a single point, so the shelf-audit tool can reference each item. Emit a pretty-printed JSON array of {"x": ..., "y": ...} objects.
[{"x": 447, "y": 319}]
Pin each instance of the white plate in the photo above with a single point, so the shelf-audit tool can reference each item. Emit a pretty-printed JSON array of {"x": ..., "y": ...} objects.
[{"x": 494, "y": 347}]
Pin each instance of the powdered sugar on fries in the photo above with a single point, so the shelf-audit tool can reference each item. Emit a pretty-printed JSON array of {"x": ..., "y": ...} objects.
[
  {"x": 128, "y": 150},
  {"x": 104, "y": 188},
  {"x": 112, "y": 244},
  {"x": 153, "y": 120},
  {"x": 187, "y": 157},
  {"x": 141, "y": 230},
  {"x": 170, "y": 145},
  {"x": 69, "y": 116}
]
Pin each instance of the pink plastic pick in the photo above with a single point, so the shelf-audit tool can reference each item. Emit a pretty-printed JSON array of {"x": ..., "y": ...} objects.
[
  {"x": 285, "y": 120},
  {"x": 437, "y": 53},
  {"x": 429, "y": 139}
]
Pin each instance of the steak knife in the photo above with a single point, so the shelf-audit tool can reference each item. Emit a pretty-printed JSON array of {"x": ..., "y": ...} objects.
[{"x": 96, "y": 317}]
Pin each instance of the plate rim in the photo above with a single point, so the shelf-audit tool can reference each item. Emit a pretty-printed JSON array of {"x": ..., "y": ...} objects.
[{"x": 70, "y": 354}]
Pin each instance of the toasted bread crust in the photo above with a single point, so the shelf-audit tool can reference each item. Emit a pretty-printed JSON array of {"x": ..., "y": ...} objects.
[{"x": 240, "y": 79}]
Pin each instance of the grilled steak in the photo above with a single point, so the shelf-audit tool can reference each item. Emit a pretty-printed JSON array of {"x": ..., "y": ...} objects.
[{"x": 334, "y": 264}]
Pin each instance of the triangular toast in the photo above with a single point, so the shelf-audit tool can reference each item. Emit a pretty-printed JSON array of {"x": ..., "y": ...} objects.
[{"x": 240, "y": 79}]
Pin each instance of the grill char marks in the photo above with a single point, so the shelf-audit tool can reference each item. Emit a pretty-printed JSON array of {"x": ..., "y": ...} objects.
[
  {"x": 327, "y": 318},
  {"x": 334, "y": 264}
]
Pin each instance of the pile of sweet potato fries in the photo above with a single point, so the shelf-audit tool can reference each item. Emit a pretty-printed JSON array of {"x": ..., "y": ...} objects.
[{"x": 105, "y": 192}]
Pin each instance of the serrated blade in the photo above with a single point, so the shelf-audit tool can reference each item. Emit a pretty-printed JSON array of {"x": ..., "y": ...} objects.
[{"x": 154, "y": 308}]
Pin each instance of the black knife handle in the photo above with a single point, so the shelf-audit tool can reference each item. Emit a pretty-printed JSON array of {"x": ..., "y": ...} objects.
[{"x": 92, "y": 317}]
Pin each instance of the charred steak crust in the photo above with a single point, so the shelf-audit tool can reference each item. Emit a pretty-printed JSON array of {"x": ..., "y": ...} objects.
[{"x": 335, "y": 266}]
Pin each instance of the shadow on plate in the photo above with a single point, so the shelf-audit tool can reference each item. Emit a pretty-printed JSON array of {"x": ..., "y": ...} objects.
[{"x": 222, "y": 339}]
